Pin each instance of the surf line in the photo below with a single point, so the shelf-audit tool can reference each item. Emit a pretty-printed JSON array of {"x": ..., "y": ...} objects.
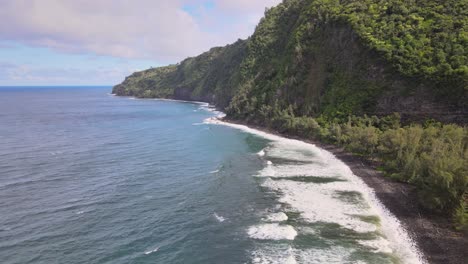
[{"x": 399, "y": 240}]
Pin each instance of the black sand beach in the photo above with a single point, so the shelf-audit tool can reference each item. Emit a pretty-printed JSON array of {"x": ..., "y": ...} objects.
[{"x": 434, "y": 234}]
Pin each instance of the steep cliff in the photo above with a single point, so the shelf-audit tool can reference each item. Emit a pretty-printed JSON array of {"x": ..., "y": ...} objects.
[
  {"x": 332, "y": 58},
  {"x": 210, "y": 77},
  {"x": 347, "y": 72}
]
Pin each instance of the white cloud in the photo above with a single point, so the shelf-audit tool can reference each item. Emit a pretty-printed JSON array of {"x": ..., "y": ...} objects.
[
  {"x": 128, "y": 29},
  {"x": 246, "y": 5},
  {"x": 159, "y": 30}
]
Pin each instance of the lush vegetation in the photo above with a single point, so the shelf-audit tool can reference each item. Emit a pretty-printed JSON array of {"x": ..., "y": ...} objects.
[
  {"x": 318, "y": 68},
  {"x": 325, "y": 55},
  {"x": 423, "y": 38},
  {"x": 202, "y": 78},
  {"x": 431, "y": 156}
]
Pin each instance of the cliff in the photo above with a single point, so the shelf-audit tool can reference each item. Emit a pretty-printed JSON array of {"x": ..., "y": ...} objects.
[
  {"x": 210, "y": 77},
  {"x": 347, "y": 72},
  {"x": 332, "y": 58}
]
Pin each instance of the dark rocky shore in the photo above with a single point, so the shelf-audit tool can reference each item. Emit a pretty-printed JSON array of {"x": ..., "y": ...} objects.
[{"x": 434, "y": 234}]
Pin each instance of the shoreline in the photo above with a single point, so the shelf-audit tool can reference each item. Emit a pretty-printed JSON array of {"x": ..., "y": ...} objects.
[{"x": 433, "y": 234}]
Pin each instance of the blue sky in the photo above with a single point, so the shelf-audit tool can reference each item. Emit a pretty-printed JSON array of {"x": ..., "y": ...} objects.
[
  {"x": 99, "y": 42},
  {"x": 22, "y": 64}
]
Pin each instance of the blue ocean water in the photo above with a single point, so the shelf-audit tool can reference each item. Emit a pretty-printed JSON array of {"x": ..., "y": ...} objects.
[{"x": 87, "y": 177}]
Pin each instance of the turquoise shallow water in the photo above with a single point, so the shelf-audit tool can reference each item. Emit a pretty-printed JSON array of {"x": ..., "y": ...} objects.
[{"x": 87, "y": 177}]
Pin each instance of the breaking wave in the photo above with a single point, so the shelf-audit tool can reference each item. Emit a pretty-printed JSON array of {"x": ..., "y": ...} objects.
[{"x": 327, "y": 198}]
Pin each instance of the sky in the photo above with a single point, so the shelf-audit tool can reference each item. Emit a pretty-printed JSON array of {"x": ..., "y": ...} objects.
[{"x": 99, "y": 42}]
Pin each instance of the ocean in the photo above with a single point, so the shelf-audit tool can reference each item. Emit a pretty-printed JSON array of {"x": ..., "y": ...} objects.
[{"x": 88, "y": 177}]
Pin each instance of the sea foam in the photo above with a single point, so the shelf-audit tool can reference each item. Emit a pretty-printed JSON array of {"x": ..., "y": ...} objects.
[
  {"x": 277, "y": 254},
  {"x": 272, "y": 232},
  {"x": 276, "y": 217},
  {"x": 219, "y": 218},
  {"x": 151, "y": 251},
  {"x": 346, "y": 202}
]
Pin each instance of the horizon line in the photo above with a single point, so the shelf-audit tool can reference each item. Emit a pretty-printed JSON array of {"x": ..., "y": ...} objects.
[{"x": 59, "y": 85}]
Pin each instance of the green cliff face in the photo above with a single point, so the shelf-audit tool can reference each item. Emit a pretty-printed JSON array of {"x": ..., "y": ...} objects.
[
  {"x": 337, "y": 71},
  {"x": 332, "y": 58},
  {"x": 209, "y": 77}
]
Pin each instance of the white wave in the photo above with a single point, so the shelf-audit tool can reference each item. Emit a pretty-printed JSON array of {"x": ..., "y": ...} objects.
[
  {"x": 277, "y": 254},
  {"x": 294, "y": 152},
  {"x": 211, "y": 120},
  {"x": 151, "y": 251},
  {"x": 314, "y": 170},
  {"x": 274, "y": 255},
  {"x": 219, "y": 218},
  {"x": 335, "y": 254},
  {"x": 219, "y": 114},
  {"x": 210, "y": 108},
  {"x": 261, "y": 153},
  {"x": 198, "y": 124},
  {"x": 267, "y": 171},
  {"x": 276, "y": 217},
  {"x": 272, "y": 232},
  {"x": 377, "y": 245},
  {"x": 214, "y": 172},
  {"x": 262, "y": 258},
  {"x": 318, "y": 203},
  {"x": 322, "y": 202}
]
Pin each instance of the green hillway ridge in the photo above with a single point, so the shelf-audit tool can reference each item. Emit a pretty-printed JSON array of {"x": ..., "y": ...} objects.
[{"x": 385, "y": 79}]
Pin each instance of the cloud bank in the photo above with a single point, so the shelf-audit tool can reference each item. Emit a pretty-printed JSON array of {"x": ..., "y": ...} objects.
[{"x": 165, "y": 30}]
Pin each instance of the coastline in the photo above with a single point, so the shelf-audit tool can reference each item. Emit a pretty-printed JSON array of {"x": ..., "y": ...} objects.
[{"x": 433, "y": 234}]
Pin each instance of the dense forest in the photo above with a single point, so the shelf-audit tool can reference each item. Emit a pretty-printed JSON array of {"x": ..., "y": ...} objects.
[{"x": 385, "y": 79}]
